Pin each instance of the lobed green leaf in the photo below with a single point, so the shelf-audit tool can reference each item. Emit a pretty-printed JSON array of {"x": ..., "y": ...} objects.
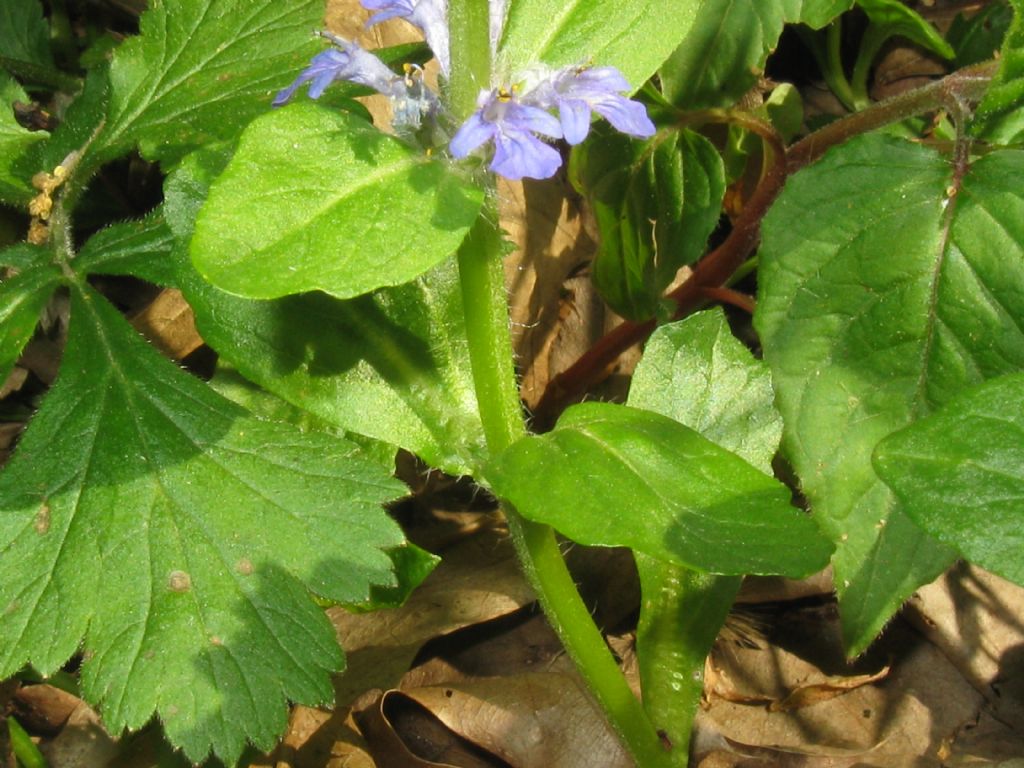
[
  {"x": 611, "y": 475},
  {"x": 15, "y": 142},
  {"x": 23, "y": 294},
  {"x": 180, "y": 539},
  {"x": 886, "y": 288},
  {"x": 315, "y": 199},
  {"x": 201, "y": 70},
  {"x": 960, "y": 474}
]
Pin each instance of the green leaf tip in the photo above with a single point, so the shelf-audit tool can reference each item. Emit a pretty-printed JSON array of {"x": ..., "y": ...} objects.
[
  {"x": 611, "y": 475},
  {"x": 960, "y": 474}
]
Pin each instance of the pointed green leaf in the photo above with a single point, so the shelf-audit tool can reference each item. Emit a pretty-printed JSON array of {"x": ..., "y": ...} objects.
[
  {"x": 140, "y": 248},
  {"x": 24, "y": 34},
  {"x": 14, "y": 143},
  {"x": 725, "y": 51},
  {"x": 23, "y": 294},
  {"x": 178, "y": 537},
  {"x": 960, "y": 474},
  {"x": 1000, "y": 116},
  {"x": 315, "y": 199},
  {"x": 201, "y": 70},
  {"x": 977, "y": 37},
  {"x": 696, "y": 372},
  {"x": 656, "y": 203},
  {"x": 633, "y": 35},
  {"x": 881, "y": 297},
  {"x": 610, "y": 475},
  {"x": 893, "y": 18}
]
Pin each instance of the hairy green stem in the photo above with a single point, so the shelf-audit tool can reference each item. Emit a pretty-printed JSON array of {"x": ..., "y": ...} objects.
[
  {"x": 484, "y": 299},
  {"x": 482, "y": 280},
  {"x": 834, "y": 71},
  {"x": 870, "y": 46},
  {"x": 487, "y": 331},
  {"x": 469, "y": 25},
  {"x": 680, "y": 617}
]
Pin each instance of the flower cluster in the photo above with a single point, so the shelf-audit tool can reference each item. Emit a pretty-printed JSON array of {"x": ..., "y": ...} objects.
[{"x": 512, "y": 117}]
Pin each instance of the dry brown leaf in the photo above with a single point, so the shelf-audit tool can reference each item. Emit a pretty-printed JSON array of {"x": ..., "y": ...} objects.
[
  {"x": 777, "y": 589},
  {"x": 9, "y": 431},
  {"x": 903, "y": 68},
  {"x": 44, "y": 709},
  {"x": 476, "y": 581},
  {"x": 81, "y": 743},
  {"x": 41, "y": 357},
  {"x": 14, "y": 381},
  {"x": 514, "y": 644},
  {"x": 556, "y": 312},
  {"x": 828, "y": 688},
  {"x": 169, "y": 324},
  {"x": 545, "y": 223},
  {"x": 535, "y": 719},
  {"x": 977, "y": 620},
  {"x": 922, "y": 705},
  {"x": 318, "y": 739},
  {"x": 404, "y": 734}
]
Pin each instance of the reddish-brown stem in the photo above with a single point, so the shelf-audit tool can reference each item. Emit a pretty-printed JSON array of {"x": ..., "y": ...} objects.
[
  {"x": 953, "y": 92},
  {"x": 711, "y": 272},
  {"x": 719, "y": 265},
  {"x": 592, "y": 366},
  {"x": 729, "y": 296}
]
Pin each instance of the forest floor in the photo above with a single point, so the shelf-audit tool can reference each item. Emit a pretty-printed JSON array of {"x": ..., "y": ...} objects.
[{"x": 467, "y": 673}]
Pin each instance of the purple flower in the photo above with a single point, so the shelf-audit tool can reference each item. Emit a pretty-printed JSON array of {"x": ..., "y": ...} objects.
[
  {"x": 350, "y": 63},
  {"x": 518, "y": 153},
  {"x": 430, "y": 16},
  {"x": 578, "y": 91}
]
